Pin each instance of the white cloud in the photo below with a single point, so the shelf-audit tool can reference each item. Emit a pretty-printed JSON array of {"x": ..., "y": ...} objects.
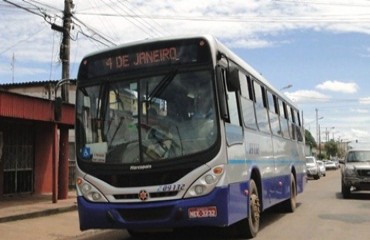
[
  {"x": 238, "y": 23},
  {"x": 310, "y": 96},
  {"x": 359, "y": 110},
  {"x": 359, "y": 133},
  {"x": 365, "y": 100},
  {"x": 337, "y": 86}
]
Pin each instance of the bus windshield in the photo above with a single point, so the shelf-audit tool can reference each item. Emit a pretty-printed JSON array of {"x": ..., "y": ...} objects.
[{"x": 146, "y": 119}]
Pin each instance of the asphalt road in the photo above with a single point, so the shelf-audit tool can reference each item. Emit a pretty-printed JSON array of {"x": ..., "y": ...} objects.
[{"x": 322, "y": 213}]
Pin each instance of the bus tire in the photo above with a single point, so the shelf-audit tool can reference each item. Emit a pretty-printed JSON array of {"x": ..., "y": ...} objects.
[
  {"x": 248, "y": 228},
  {"x": 290, "y": 204}
]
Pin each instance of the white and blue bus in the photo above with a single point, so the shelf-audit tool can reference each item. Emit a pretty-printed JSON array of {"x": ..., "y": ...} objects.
[{"x": 180, "y": 132}]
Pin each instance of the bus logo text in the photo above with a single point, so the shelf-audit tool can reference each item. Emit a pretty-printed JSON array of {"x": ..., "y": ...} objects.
[{"x": 141, "y": 167}]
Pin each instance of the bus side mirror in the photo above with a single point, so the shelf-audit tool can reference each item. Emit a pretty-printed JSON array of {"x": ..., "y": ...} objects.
[{"x": 233, "y": 83}]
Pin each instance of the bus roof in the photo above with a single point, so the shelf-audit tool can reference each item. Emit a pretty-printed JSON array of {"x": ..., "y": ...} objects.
[{"x": 216, "y": 45}]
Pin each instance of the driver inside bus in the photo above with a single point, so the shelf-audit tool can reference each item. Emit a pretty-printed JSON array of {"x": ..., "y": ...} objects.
[{"x": 203, "y": 107}]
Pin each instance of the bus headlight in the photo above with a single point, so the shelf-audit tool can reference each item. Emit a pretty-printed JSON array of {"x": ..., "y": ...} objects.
[
  {"x": 206, "y": 183},
  {"x": 199, "y": 189},
  {"x": 87, "y": 190}
]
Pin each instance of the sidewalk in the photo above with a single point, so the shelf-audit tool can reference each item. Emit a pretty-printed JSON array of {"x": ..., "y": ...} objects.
[{"x": 31, "y": 206}]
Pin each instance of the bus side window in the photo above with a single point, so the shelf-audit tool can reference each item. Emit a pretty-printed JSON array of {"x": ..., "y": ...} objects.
[
  {"x": 247, "y": 102},
  {"x": 273, "y": 113},
  {"x": 233, "y": 128},
  {"x": 233, "y": 107},
  {"x": 292, "y": 124},
  {"x": 298, "y": 127},
  {"x": 261, "y": 111},
  {"x": 283, "y": 119}
]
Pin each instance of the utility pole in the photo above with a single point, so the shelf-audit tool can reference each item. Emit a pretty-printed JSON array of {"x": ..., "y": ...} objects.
[
  {"x": 65, "y": 48},
  {"x": 60, "y": 169},
  {"x": 317, "y": 124}
]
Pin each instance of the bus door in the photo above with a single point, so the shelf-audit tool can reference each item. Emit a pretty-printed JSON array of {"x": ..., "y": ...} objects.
[{"x": 233, "y": 128}]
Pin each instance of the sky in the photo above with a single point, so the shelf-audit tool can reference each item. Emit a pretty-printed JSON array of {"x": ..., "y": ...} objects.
[{"x": 320, "y": 48}]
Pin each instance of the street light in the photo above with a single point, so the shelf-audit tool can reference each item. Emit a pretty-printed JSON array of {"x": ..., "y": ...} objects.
[
  {"x": 286, "y": 87},
  {"x": 327, "y": 133}
]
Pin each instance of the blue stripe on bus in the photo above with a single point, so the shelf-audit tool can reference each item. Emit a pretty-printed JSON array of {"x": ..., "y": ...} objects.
[{"x": 263, "y": 162}]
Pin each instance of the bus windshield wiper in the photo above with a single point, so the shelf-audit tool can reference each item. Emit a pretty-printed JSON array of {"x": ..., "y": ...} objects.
[{"x": 162, "y": 85}]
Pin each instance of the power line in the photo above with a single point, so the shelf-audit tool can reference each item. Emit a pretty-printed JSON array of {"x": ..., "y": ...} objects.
[
  {"x": 152, "y": 20},
  {"x": 324, "y": 3},
  {"x": 23, "y": 40},
  {"x": 238, "y": 19},
  {"x": 136, "y": 23},
  {"x": 108, "y": 25},
  {"x": 93, "y": 31},
  {"x": 43, "y": 4},
  {"x": 25, "y": 8},
  {"x": 144, "y": 22}
]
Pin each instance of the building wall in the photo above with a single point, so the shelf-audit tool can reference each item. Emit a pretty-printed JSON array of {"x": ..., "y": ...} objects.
[
  {"x": 43, "y": 158},
  {"x": 31, "y": 114}
]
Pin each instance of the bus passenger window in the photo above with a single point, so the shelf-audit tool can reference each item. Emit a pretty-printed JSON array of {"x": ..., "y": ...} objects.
[
  {"x": 273, "y": 113},
  {"x": 298, "y": 126},
  {"x": 247, "y": 103},
  {"x": 283, "y": 119},
  {"x": 233, "y": 108},
  {"x": 292, "y": 124},
  {"x": 261, "y": 111}
]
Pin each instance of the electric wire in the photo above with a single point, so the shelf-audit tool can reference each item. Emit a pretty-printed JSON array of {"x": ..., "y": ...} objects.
[
  {"x": 145, "y": 22},
  {"x": 95, "y": 32},
  {"x": 352, "y": 4},
  {"x": 239, "y": 19},
  {"x": 108, "y": 25},
  {"x": 134, "y": 22},
  {"x": 31, "y": 35},
  {"x": 160, "y": 28}
]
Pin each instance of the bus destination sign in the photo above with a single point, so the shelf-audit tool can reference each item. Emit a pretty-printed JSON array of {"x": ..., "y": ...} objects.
[
  {"x": 143, "y": 56},
  {"x": 156, "y": 56}
]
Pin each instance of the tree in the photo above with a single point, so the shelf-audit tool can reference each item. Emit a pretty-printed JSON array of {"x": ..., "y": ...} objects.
[
  {"x": 331, "y": 148},
  {"x": 310, "y": 141}
]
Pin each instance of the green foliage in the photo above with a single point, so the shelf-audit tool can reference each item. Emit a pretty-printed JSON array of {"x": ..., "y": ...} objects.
[
  {"x": 331, "y": 148},
  {"x": 321, "y": 156},
  {"x": 310, "y": 141}
]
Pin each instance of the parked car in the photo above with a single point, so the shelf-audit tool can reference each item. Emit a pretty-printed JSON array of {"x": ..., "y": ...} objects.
[
  {"x": 330, "y": 165},
  {"x": 322, "y": 168},
  {"x": 355, "y": 171},
  {"x": 336, "y": 163},
  {"x": 312, "y": 167}
]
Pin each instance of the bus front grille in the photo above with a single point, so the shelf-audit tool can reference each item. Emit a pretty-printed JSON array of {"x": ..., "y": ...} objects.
[{"x": 152, "y": 195}]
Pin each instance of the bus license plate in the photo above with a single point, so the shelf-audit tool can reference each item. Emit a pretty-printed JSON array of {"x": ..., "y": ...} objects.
[{"x": 202, "y": 212}]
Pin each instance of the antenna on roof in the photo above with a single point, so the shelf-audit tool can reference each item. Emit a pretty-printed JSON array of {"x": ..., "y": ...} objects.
[{"x": 12, "y": 64}]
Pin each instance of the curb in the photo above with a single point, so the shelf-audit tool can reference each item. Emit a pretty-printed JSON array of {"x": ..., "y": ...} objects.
[{"x": 38, "y": 214}]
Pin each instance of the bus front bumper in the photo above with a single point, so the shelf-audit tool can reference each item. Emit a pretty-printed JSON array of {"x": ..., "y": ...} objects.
[{"x": 214, "y": 209}]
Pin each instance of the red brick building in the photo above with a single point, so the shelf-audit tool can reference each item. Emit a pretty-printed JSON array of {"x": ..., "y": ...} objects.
[{"x": 34, "y": 146}]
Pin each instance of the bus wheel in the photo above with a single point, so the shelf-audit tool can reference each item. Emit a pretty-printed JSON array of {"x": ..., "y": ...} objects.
[
  {"x": 291, "y": 204},
  {"x": 248, "y": 228}
]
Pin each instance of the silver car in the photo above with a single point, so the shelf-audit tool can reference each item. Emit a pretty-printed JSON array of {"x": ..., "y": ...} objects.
[
  {"x": 329, "y": 164},
  {"x": 322, "y": 168},
  {"x": 355, "y": 171},
  {"x": 312, "y": 168}
]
